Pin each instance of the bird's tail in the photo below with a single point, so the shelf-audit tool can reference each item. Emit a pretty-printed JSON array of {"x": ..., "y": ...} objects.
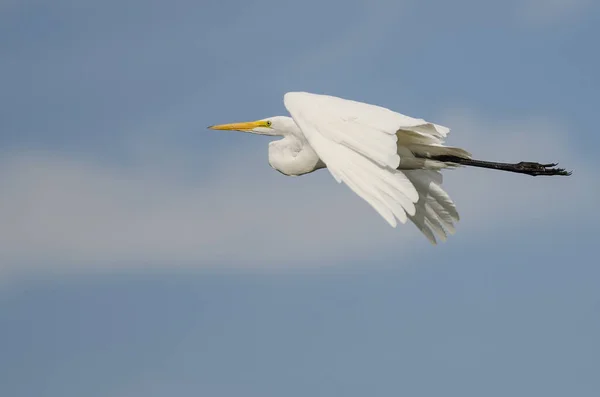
[{"x": 429, "y": 156}]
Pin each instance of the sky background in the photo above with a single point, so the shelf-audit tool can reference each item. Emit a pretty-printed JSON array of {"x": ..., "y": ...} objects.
[{"x": 143, "y": 255}]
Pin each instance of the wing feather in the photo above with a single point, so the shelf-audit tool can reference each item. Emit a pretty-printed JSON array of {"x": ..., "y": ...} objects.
[
  {"x": 435, "y": 211},
  {"x": 358, "y": 143}
]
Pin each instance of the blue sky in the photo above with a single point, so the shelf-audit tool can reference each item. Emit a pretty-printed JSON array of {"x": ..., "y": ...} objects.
[{"x": 143, "y": 255}]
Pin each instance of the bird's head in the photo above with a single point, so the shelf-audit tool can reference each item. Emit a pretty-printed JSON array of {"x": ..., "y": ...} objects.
[{"x": 272, "y": 126}]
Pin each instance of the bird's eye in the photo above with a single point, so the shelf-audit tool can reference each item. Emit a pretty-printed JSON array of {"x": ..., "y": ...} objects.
[{"x": 268, "y": 123}]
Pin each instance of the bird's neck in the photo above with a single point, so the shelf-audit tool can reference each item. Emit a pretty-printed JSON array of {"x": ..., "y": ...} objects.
[{"x": 288, "y": 127}]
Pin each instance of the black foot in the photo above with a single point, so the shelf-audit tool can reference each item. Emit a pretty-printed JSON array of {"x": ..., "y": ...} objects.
[{"x": 536, "y": 169}]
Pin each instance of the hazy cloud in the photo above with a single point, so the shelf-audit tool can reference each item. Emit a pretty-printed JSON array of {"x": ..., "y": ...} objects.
[{"x": 59, "y": 210}]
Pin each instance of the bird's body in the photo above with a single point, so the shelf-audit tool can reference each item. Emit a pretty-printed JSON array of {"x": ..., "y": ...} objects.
[{"x": 391, "y": 160}]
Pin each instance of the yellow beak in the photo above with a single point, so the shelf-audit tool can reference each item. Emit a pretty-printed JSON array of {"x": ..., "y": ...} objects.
[{"x": 247, "y": 126}]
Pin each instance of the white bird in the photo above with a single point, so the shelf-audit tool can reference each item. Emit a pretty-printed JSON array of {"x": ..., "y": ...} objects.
[{"x": 391, "y": 160}]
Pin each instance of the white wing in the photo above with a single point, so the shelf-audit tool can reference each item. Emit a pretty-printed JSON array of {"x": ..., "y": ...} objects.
[{"x": 358, "y": 143}]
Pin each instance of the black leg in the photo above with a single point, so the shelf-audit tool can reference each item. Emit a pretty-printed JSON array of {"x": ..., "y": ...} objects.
[{"x": 523, "y": 167}]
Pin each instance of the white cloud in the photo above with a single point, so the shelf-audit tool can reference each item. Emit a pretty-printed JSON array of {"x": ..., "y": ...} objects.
[
  {"x": 546, "y": 12},
  {"x": 63, "y": 212},
  {"x": 67, "y": 211}
]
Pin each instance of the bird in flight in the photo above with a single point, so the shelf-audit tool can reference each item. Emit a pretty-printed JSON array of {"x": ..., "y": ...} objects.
[{"x": 390, "y": 160}]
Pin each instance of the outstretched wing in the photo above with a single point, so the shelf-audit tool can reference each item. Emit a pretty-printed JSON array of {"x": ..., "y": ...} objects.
[{"x": 358, "y": 143}]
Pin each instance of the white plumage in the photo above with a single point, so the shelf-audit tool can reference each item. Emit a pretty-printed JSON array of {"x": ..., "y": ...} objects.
[
  {"x": 391, "y": 160},
  {"x": 358, "y": 143}
]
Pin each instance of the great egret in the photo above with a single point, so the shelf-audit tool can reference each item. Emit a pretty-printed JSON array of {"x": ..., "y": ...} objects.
[{"x": 391, "y": 160}]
